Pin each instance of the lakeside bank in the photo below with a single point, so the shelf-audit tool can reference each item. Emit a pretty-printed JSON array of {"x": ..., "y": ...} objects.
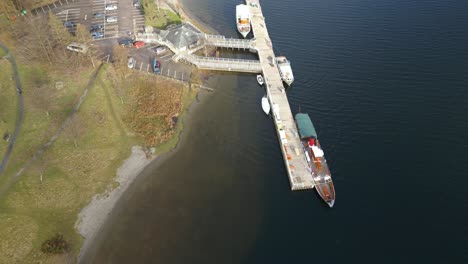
[{"x": 94, "y": 216}]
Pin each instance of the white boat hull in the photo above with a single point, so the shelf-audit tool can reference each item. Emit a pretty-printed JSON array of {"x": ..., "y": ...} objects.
[
  {"x": 243, "y": 33},
  {"x": 260, "y": 80},
  {"x": 265, "y": 105},
  {"x": 243, "y": 20}
]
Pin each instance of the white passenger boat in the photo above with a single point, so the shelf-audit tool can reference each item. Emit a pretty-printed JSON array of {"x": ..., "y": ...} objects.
[
  {"x": 265, "y": 105},
  {"x": 284, "y": 67},
  {"x": 243, "y": 19},
  {"x": 260, "y": 79}
]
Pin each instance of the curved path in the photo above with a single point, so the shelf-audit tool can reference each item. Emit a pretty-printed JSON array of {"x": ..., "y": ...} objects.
[{"x": 19, "y": 119}]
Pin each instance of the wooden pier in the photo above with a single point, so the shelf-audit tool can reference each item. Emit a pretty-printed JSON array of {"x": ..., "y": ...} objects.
[{"x": 294, "y": 158}]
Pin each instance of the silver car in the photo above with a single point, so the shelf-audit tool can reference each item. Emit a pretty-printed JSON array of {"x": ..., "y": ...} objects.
[
  {"x": 111, "y": 7},
  {"x": 111, "y": 19},
  {"x": 160, "y": 50}
]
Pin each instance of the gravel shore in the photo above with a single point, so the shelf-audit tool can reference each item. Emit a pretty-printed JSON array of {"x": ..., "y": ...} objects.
[{"x": 92, "y": 217}]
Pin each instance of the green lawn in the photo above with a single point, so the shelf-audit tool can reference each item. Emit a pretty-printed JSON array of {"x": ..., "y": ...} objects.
[
  {"x": 159, "y": 19},
  {"x": 71, "y": 175},
  {"x": 8, "y": 99}
]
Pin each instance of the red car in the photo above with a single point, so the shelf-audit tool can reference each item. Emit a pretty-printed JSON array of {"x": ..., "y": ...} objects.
[{"x": 138, "y": 44}]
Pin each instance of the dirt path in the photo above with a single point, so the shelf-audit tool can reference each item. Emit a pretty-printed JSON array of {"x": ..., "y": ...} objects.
[{"x": 19, "y": 119}]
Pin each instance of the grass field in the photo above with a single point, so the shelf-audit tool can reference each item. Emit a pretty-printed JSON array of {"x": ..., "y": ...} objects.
[
  {"x": 8, "y": 99},
  {"x": 160, "y": 19},
  {"x": 48, "y": 197},
  {"x": 81, "y": 163}
]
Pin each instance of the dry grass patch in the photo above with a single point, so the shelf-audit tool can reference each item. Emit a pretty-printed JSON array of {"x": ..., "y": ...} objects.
[
  {"x": 18, "y": 233},
  {"x": 155, "y": 108},
  {"x": 52, "y": 193}
]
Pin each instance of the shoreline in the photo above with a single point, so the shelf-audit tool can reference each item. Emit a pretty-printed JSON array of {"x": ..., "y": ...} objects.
[
  {"x": 96, "y": 213},
  {"x": 92, "y": 218}
]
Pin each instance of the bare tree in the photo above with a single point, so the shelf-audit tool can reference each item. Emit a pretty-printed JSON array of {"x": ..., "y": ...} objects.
[
  {"x": 82, "y": 35},
  {"x": 34, "y": 34},
  {"x": 59, "y": 34},
  {"x": 120, "y": 57}
]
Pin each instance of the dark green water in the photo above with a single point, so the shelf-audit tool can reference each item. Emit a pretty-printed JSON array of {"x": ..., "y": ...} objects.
[{"x": 385, "y": 85}]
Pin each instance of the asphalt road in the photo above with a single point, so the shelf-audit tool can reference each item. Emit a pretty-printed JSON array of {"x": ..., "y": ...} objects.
[{"x": 19, "y": 118}]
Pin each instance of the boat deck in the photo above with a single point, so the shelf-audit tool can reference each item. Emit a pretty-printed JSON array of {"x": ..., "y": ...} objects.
[{"x": 291, "y": 147}]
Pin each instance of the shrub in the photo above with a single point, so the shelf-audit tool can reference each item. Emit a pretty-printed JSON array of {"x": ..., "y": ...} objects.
[{"x": 55, "y": 245}]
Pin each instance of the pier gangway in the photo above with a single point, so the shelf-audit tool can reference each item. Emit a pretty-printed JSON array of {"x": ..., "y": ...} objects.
[{"x": 230, "y": 43}]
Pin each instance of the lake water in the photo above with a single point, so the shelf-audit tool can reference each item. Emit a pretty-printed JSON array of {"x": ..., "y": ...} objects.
[{"x": 385, "y": 85}]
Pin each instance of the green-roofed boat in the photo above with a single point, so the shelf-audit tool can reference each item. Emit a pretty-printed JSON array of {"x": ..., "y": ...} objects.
[{"x": 316, "y": 159}]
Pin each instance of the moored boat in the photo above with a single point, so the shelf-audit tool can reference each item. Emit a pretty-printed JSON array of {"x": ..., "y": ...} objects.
[
  {"x": 284, "y": 67},
  {"x": 260, "y": 79},
  {"x": 265, "y": 105},
  {"x": 243, "y": 19},
  {"x": 316, "y": 159}
]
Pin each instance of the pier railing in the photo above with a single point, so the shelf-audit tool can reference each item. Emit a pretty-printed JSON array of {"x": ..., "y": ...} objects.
[
  {"x": 221, "y": 64},
  {"x": 231, "y": 43}
]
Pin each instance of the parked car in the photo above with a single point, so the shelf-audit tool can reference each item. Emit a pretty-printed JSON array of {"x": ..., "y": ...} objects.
[
  {"x": 126, "y": 42},
  {"x": 97, "y": 34},
  {"x": 96, "y": 27},
  {"x": 69, "y": 24},
  {"x": 98, "y": 15},
  {"x": 111, "y": 7},
  {"x": 138, "y": 44},
  {"x": 159, "y": 49},
  {"x": 77, "y": 47},
  {"x": 156, "y": 66},
  {"x": 131, "y": 63},
  {"x": 111, "y": 19},
  {"x": 136, "y": 3}
]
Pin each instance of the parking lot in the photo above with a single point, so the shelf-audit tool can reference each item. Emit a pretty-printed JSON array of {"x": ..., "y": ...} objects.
[
  {"x": 115, "y": 23},
  {"x": 144, "y": 62},
  {"x": 113, "y": 18}
]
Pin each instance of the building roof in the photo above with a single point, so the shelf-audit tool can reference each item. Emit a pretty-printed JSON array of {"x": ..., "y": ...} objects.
[
  {"x": 306, "y": 128},
  {"x": 181, "y": 36}
]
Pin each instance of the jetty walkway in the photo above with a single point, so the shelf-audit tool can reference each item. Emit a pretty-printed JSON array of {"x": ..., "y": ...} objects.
[{"x": 288, "y": 136}]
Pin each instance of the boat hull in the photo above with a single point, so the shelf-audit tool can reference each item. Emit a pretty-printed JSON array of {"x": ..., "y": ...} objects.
[
  {"x": 284, "y": 67},
  {"x": 326, "y": 192},
  {"x": 260, "y": 80},
  {"x": 243, "y": 20},
  {"x": 266, "y": 105},
  {"x": 316, "y": 159},
  {"x": 243, "y": 32}
]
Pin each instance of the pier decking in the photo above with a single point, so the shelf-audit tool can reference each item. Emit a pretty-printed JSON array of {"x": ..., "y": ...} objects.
[{"x": 288, "y": 136}]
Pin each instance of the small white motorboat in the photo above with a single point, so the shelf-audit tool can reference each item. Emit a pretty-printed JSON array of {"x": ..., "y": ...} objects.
[
  {"x": 260, "y": 79},
  {"x": 265, "y": 105}
]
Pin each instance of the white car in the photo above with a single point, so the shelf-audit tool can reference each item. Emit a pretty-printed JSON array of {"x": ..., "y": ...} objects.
[
  {"x": 131, "y": 63},
  {"x": 111, "y": 7},
  {"x": 159, "y": 50},
  {"x": 111, "y": 19}
]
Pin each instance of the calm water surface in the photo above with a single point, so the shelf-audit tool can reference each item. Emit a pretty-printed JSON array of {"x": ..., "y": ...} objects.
[{"x": 385, "y": 84}]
